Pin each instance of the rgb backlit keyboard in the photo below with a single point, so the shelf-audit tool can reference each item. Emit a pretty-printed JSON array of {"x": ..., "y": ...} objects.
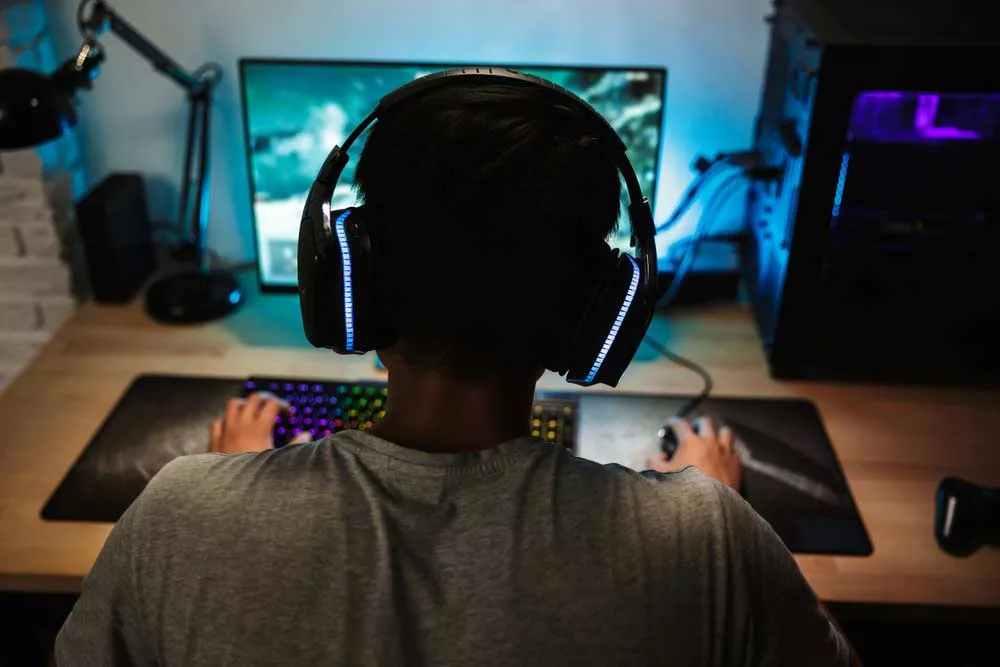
[{"x": 326, "y": 407}]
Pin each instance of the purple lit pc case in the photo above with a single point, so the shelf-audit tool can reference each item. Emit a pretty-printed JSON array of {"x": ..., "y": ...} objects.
[{"x": 873, "y": 256}]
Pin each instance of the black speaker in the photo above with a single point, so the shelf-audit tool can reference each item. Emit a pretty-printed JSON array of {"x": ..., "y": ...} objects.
[{"x": 117, "y": 236}]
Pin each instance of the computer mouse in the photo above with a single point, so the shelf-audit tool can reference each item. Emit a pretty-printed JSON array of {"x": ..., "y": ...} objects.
[
  {"x": 668, "y": 438},
  {"x": 668, "y": 441}
]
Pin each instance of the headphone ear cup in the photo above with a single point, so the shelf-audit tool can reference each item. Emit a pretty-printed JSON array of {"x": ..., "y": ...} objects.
[
  {"x": 315, "y": 282},
  {"x": 565, "y": 340},
  {"x": 370, "y": 329},
  {"x": 337, "y": 291},
  {"x": 612, "y": 326}
]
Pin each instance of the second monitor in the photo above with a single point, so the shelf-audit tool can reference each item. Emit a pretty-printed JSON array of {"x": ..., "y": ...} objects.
[{"x": 294, "y": 112}]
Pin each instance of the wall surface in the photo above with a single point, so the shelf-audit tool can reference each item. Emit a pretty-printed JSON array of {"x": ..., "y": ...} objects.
[{"x": 133, "y": 120}]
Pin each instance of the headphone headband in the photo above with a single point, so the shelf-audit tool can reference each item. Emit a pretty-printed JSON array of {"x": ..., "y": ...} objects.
[
  {"x": 643, "y": 228},
  {"x": 500, "y": 75}
]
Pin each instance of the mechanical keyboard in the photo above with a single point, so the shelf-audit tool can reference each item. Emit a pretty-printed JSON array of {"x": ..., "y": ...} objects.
[{"x": 324, "y": 407}]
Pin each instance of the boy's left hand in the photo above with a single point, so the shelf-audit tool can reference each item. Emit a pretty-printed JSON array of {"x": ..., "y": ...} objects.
[{"x": 248, "y": 424}]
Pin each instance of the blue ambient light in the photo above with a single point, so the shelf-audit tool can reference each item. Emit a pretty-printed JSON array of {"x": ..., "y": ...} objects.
[
  {"x": 837, "y": 198},
  {"x": 609, "y": 341},
  {"x": 345, "y": 255},
  {"x": 234, "y": 297}
]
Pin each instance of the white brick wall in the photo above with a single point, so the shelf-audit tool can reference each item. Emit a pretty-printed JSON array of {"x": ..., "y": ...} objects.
[
  {"x": 24, "y": 163},
  {"x": 36, "y": 290},
  {"x": 35, "y": 284}
]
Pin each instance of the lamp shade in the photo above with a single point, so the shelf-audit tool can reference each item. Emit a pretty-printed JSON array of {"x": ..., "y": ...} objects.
[{"x": 33, "y": 109}]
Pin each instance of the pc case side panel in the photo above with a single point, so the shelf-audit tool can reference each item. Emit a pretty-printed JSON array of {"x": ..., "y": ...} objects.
[
  {"x": 778, "y": 270},
  {"x": 823, "y": 128},
  {"x": 764, "y": 268}
]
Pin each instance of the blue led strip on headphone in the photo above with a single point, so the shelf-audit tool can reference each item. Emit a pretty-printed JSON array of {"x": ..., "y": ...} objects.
[
  {"x": 609, "y": 341},
  {"x": 345, "y": 254}
]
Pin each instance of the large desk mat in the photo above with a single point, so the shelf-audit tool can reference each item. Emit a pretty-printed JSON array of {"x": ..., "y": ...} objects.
[{"x": 791, "y": 475}]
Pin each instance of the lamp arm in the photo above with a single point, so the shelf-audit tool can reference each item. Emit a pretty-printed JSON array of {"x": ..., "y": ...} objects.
[{"x": 95, "y": 16}]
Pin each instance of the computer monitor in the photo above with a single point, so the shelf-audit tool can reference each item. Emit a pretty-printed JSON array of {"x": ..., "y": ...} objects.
[{"x": 295, "y": 111}]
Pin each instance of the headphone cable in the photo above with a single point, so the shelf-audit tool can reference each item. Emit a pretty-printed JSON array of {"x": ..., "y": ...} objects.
[
  {"x": 722, "y": 193},
  {"x": 684, "y": 362}
]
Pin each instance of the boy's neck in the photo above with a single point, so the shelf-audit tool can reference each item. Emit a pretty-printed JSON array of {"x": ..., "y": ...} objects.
[{"x": 435, "y": 412}]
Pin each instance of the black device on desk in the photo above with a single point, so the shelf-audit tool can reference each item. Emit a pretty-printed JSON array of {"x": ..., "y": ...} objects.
[{"x": 967, "y": 516}]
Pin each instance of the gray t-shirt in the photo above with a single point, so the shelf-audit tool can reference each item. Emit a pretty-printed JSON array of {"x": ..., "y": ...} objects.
[{"x": 354, "y": 551}]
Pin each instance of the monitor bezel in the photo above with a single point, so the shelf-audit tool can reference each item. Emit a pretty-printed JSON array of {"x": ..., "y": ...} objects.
[{"x": 242, "y": 63}]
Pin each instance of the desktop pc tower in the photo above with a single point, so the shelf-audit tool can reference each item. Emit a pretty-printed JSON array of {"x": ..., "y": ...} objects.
[{"x": 876, "y": 255}]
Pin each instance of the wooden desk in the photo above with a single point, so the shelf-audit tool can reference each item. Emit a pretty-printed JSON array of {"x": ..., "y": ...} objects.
[{"x": 895, "y": 443}]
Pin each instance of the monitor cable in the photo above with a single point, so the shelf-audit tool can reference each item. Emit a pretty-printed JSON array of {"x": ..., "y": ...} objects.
[{"x": 706, "y": 221}]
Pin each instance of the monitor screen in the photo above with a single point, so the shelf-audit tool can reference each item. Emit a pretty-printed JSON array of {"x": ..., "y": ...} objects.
[{"x": 294, "y": 112}]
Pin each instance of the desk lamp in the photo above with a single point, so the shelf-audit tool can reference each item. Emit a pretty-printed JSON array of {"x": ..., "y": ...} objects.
[{"x": 35, "y": 108}]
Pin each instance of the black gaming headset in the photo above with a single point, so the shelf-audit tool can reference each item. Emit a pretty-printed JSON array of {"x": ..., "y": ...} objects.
[{"x": 337, "y": 259}]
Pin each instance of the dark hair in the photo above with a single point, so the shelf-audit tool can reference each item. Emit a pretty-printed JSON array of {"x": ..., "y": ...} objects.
[{"x": 488, "y": 204}]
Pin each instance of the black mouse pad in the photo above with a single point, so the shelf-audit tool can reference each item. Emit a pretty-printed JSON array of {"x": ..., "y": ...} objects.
[
  {"x": 159, "y": 418},
  {"x": 791, "y": 475}
]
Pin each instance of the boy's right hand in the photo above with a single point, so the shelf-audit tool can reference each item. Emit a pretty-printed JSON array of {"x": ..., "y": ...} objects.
[{"x": 712, "y": 453}]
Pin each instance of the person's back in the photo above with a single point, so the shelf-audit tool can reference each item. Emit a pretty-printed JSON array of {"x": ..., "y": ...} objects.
[
  {"x": 354, "y": 551},
  {"x": 447, "y": 535}
]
